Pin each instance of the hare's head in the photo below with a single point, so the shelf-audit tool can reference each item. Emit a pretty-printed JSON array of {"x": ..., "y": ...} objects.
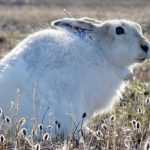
[{"x": 121, "y": 41}]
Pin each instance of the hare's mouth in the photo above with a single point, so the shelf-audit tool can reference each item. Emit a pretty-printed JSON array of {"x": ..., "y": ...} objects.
[{"x": 142, "y": 58}]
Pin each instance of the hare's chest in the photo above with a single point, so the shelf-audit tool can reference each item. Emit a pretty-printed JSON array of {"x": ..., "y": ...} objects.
[{"x": 100, "y": 87}]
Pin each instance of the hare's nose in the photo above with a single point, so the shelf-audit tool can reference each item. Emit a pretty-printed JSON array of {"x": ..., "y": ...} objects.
[{"x": 144, "y": 48}]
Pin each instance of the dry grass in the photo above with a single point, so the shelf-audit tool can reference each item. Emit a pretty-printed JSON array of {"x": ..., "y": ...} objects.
[{"x": 127, "y": 127}]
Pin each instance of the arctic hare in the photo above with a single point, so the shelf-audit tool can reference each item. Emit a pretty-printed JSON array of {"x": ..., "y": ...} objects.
[{"x": 74, "y": 68}]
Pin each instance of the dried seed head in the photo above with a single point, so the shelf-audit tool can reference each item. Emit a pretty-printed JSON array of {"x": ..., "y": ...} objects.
[
  {"x": 104, "y": 126},
  {"x": 33, "y": 132},
  {"x": 23, "y": 131},
  {"x": 22, "y": 121},
  {"x": 46, "y": 137},
  {"x": 148, "y": 100},
  {"x": 112, "y": 118},
  {"x": 138, "y": 125},
  {"x": 133, "y": 122},
  {"x": 84, "y": 115},
  {"x": 1, "y": 111},
  {"x": 37, "y": 146},
  {"x": 2, "y": 138},
  {"x": 58, "y": 125},
  {"x": 139, "y": 110},
  {"x": 99, "y": 133},
  {"x": 147, "y": 145},
  {"x": 7, "y": 120},
  {"x": 40, "y": 126},
  {"x": 123, "y": 103}
]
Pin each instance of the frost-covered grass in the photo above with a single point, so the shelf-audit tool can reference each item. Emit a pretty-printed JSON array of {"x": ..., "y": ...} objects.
[{"x": 126, "y": 127}]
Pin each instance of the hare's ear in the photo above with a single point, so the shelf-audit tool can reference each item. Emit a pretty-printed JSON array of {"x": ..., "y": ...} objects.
[
  {"x": 74, "y": 25},
  {"x": 91, "y": 20}
]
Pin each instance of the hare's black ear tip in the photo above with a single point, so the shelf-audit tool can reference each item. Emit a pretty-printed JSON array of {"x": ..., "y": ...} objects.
[{"x": 55, "y": 23}]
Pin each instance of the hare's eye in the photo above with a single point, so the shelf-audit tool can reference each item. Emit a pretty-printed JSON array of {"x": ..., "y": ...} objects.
[{"x": 119, "y": 30}]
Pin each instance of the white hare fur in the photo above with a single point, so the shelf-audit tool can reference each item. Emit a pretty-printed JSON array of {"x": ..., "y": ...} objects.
[{"x": 70, "y": 74}]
